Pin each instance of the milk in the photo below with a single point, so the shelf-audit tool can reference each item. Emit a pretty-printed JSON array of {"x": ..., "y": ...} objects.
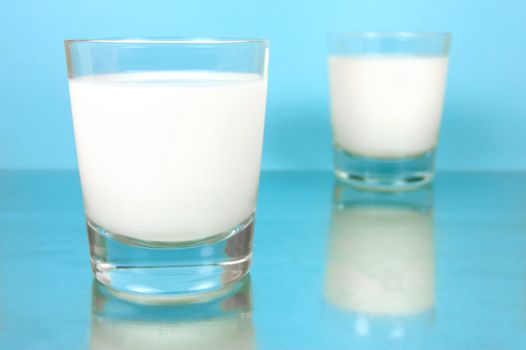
[
  {"x": 381, "y": 260},
  {"x": 169, "y": 156},
  {"x": 387, "y": 106}
]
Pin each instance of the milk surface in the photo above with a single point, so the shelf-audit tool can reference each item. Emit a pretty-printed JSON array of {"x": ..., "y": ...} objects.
[
  {"x": 387, "y": 106},
  {"x": 169, "y": 156}
]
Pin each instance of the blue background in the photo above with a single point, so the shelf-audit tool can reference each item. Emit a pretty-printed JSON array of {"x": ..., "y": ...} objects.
[{"x": 485, "y": 112}]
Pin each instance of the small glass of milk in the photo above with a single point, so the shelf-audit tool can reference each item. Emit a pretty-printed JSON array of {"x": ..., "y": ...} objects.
[
  {"x": 387, "y": 92},
  {"x": 169, "y": 136}
]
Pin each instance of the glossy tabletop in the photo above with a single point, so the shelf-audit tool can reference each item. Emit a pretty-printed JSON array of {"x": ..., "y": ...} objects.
[{"x": 333, "y": 268}]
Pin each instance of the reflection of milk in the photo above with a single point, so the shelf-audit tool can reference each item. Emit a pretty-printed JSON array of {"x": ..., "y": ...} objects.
[
  {"x": 381, "y": 256},
  {"x": 169, "y": 156},
  {"x": 221, "y": 324},
  {"x": 387, "y": 106}
]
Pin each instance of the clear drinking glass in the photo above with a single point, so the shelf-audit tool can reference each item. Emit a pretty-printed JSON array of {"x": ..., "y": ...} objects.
[
  {"x": 387, "y": 92},
  {"x": 169, "y": 136}
]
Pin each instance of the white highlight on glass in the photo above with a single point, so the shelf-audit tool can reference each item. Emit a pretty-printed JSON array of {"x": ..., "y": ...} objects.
[
  {"x": 387, "y": 106},
  {"x": 169, "y": 156}
]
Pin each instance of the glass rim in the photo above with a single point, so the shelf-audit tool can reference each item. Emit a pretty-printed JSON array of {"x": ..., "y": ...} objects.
[
  {"x": 167, "y": 41},
  {"x": 391, "y": 35}
]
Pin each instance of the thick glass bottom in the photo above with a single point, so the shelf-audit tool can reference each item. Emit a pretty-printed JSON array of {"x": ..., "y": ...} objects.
[
  {"x": 378, "y": 174},
  {"x": 176, "y": 271}
]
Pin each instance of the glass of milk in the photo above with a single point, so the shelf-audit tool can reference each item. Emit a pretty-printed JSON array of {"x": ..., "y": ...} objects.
[
  {"x": 380, "y": 261},
  {"x": 387, "y": 92},
  {"x": 169, "y": 136}
]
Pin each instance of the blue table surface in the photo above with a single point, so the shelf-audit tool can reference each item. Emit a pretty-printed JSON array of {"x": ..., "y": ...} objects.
[{"x": 451, "y": 277}]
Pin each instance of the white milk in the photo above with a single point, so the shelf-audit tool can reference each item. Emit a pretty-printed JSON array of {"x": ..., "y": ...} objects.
[
  {"x": 381, "y": 261},
  {"x": 387, "y": 106},
  {"x": 169, "y": 156}
]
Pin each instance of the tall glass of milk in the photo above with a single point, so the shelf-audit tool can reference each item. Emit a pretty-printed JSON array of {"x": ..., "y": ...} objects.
[
  {"x": 380, "y": 261},
  {"x": 387, "y": 92},
  {"x": 169, "y": 136}
]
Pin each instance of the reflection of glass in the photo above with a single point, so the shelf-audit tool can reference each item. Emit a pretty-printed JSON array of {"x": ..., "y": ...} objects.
[
  {"x": 222, "y": 323},
  {"x": 380, "y": 260}
]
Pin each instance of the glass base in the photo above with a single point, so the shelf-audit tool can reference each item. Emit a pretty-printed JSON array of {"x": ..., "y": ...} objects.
[
  {"x": 175, "y": 271},
  {"x": 379, "y": 174}
]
